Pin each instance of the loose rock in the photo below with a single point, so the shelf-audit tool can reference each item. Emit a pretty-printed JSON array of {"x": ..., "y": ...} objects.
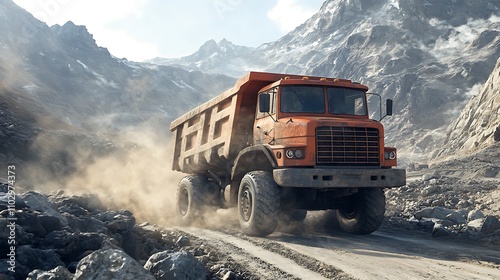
[
  {"x": 180, "y": 265},
  {"x": 111, "y": 264}
]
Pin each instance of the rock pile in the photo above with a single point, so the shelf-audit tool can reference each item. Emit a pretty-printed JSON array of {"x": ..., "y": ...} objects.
[
  {"x": 447, "y": 206},
  {"x": 76, "y": 237}
]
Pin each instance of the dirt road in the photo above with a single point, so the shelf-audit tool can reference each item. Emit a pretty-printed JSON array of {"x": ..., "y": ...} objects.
[{"x": 385, "y": 254}]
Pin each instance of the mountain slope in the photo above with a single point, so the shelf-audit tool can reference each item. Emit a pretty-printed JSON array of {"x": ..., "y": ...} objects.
[
  {"x": 478, "y": 126},
  {"x": 59, "y": 89},
  {"x": 64, "y": 70},
  {"x": 430, "y": 56},
  {"x": 223, "y": 57}
]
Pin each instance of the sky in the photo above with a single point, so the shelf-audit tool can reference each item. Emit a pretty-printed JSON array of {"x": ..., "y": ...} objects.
[{"x": 143, "y": 29}]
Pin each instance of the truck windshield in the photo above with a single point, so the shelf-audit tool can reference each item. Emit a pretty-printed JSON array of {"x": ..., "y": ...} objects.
[
  {"x": 302, "y": 99},
  {"x": 346, "y": 101}
]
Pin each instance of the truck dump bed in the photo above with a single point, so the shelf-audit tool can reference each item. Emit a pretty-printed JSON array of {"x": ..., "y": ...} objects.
[{"x": 210, "y": 136}]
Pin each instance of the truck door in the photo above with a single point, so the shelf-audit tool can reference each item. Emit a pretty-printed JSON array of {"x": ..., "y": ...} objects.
[{"x": 265, "y": 121}]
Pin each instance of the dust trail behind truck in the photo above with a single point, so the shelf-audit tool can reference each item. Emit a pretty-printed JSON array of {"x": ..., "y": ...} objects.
[{"x": 276, "y": 146}]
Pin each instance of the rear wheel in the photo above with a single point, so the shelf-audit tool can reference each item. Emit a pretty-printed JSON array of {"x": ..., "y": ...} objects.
[
  {"x": 195, "y": 195},
  {"x": 258, "y": 203},
  {"x": 365, "y": 213}
]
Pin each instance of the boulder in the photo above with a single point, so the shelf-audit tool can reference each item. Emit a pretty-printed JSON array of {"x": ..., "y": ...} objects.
[
  {"x": 90, "y": 202},
  {"x": 183, "y": 241},
  {"x": 50, "y": 223},
  {"x": 476, "y": 224},
  {"x": 428, "y": 176},
  {"x": 431, "y": 189},
  {"x": 44, "y": 259},
  {"x": 121, "y": 222},
  {"x": 440, "y": 230},
  {"x": 456, "y": 218},
  {"x": 180, "y": 265},
  {"x": 134, "y": 245},
  {"x": 58, "y": 273},
  {"x": 490, "y": 225},
  {"x": 30, "y": 223},
  {"x": 85, "y": 224},
  {"x": 73, "y": 209},
  {"x": 230, "y": 276},
  {"x": 434, "y": 213},
  {"x": 111, "y": 264},
  {"x": 5, "y": 198},
  {"x": 474, "y": 215},
  {"x": 39, "y": 202}
]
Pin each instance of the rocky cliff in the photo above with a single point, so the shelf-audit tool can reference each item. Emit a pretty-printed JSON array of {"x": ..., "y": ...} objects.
[
  {"x": 478, "y": 126},
  {"x": 429, "y": 56}
]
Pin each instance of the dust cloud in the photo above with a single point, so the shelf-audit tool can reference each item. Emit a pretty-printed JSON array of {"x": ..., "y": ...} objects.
[
  {"x": 138, "y": 179},
  {"x": 130, "y": 170}
]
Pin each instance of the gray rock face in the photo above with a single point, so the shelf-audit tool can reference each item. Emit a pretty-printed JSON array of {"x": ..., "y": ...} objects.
[
  {"x": 181, "y": 265},
  {"x": 111, "y": 264},
  {"x": 478, "y": 126}
]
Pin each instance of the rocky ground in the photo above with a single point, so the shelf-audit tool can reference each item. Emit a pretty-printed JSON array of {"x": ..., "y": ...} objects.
[
  {"x": 458, "y": 198},
  {"x": 76, "y": 237},
  {"x": 61, "y": 236}
]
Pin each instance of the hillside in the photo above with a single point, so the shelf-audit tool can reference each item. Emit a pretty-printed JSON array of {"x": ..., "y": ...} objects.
[
  {"x": 431, "y": 57},
  {"x": 58, "y": 86},
  {"x": 478, "y": 126}
]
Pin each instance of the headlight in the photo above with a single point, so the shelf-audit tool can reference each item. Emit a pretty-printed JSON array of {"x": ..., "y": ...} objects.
[
  {"x": 298, "y": 154},
  {"x": 390, "y": 155}
]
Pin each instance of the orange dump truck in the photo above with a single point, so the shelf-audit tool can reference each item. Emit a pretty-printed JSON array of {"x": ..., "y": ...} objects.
[{"x": 278, "y": 145}]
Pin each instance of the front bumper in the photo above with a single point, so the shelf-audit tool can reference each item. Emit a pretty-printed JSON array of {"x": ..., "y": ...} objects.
[{"x": 320, "y": 178}]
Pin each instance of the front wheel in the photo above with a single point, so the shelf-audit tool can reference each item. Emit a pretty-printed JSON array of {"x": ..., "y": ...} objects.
[
  {"x": 258, "y": 203},
  {"x": 365, "y": 213}
]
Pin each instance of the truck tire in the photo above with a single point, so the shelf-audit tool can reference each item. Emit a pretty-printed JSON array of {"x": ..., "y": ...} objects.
[
  {"x": 195, "y": 195},
  {"x": 365, "y": 214},
  {"x": 258, "y": 203}
]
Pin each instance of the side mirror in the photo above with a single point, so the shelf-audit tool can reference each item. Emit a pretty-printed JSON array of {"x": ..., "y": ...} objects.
[
  {"x": 264, "y": 103},
  {"x": 388, "y": 107}
]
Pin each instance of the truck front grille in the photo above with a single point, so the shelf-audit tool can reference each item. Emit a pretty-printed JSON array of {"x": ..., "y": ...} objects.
[{"x": 347, "y": 146}]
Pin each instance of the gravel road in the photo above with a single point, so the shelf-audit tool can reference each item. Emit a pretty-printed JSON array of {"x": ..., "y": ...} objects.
[{"x": 386, "y": 254}]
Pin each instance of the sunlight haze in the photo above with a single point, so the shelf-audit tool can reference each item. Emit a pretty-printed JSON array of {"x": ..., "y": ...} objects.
[{"x": 143, "y": 29}]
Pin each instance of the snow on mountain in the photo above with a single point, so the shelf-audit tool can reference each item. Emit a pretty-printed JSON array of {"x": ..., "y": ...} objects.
[
  {"x": 223, "y": 57},
  {"x": 429, "y": 56}
]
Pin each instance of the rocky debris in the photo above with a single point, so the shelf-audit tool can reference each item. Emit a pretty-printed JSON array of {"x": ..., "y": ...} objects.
[
  {"x": 58, "y": 273},
  {"x": 77, "y": 237},
  {"x": 179, "y": 265},
  {"x": 111, "y": 264},
  {"x": 183, "y": 241},
  {"x": 458, "y": 198}
]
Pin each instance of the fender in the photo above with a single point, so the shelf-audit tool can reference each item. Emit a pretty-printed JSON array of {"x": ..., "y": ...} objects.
[{"x": 258, "y": 157}]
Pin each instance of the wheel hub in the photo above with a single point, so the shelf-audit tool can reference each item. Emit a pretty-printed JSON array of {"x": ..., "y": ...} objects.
[
  {"x": 183, "y": 202},
  {"x": 246, "y": 204}
]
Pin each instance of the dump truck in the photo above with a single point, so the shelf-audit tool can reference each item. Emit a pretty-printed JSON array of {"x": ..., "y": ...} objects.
[{"x": 277, "y": 145}]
